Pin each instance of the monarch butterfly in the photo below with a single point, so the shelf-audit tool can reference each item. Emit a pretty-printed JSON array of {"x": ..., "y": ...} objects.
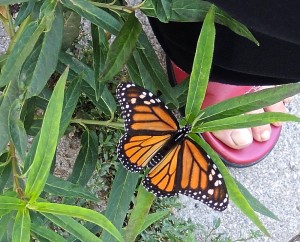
[{"x": 154, "y": 139}]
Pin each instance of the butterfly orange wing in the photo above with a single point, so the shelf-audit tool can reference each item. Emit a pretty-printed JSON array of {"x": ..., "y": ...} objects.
[
  {"x": 186, "y": 169},
  {"x": 149, "y": 124}
]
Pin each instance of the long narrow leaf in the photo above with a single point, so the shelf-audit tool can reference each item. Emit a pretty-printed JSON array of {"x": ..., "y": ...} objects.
[
  {"x": 139, "y": 213},
  {"x": 152, "y": 66},
  {"x": 195, "y": 11},
  {"x": 248, "y": 102},
  {"x": 9, "y": 96},
  {"x": 255, "y": 204},
  {"x": 201, "y": 67},
  {"x": 163, "y": 9},
  {"x": 86, "y": 160},
  {"x": 72, "y": 226},
  {"x": 122, "y": 47},
  {"x": 234, "y": 193},
  {"x": 11, "y": 203},
  {"x": 70, "y": 101},
  {"x": 48, "y": 57},
  {"x": 59, "y": 187},
  {"x": 77, "y": 212},
  {"x": 120, "y": 197},
  {"x": 46, "y": 147},
  {"x": 4, "y": 221},
  {"x": 153, "y": 217},
  {"x": 245, "y": 121},
  {"x": 106, "y": 103},
  {"x": 94, "y": 14},
  {"x": 16, "y": 130},
  {"x": 21, "y": 230},
  {"x": 46, "y": 233}
]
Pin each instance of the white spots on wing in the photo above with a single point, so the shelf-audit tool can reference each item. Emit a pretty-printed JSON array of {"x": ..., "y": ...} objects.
[
  {"x": 147, "y": 102},
  {"x": 133, "y": 100},
  {"x": 217, "y": 183},
  {"x": 210, "y": 192},
  {"x": 142, "y": 96},
  {"x": 210, "y": 177}
]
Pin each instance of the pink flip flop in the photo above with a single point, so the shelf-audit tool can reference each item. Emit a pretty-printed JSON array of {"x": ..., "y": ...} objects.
[{"x": 217, "y": 92}]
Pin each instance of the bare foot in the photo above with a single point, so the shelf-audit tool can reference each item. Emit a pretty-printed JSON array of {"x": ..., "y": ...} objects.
[{"x": 241, "y": 138}]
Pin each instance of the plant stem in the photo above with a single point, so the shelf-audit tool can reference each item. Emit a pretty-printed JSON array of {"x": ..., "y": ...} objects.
[
  {"x": 114, "y": 7},
  {"x": 117, "y": 125},
  {"x": 14, "y": 162},
  {"x": 10, "y": 23}
]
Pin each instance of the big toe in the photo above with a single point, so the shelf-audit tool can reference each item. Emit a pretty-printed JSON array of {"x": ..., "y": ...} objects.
[{"x": 235, "y": 138}]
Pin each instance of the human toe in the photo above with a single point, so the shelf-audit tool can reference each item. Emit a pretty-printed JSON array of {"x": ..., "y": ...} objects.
[{"x": 235, "y": 138}]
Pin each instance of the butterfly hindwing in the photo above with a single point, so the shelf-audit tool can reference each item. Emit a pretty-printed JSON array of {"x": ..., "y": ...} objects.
[
  {"x": 140, "y": 151},
  {"x": 161, "y": 179},
  {"x": 199, "y": 177},
  {"x": 143, "y": 112}
]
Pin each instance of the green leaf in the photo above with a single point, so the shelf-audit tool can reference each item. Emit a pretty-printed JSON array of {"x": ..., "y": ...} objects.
[
  {"x": 122, "y": 47},
  {"x": 162, "y": 9},
  {"x": 17, "y": 131},
  {"x": 153, "y": 68},
  {"x": 21, "y": 230},
  {"x": 5, "y": 173},
  {"x": 9, "y": 96},
  {"x": 11, "y": 203},
  {"x": 152, "y": 218},
  {"x": 106, "y": 103},
  {"x": 94, "y": 14},
  {"x": 225, "y": 19},
  {"x": 24, "y": 11},
  {"x": 245, "y": 121},
  {"x": 21, "y": 51},
  {"x": 77, "y": 212},
  {"x": 46, "y": 233},
  {"x": 86, "y": 160},
  {"x": 139, "y": 213},
  {"x": 122, "y": 191},
  {"x": 6, "y": 2},
  {"x": 4, "y": 221},
  {"x": 97, "y": 51},
  {"x": 233, "y": 191},
  {"x": 70, "y": 101},
  {"x": 201, "y": 67},
  {"x": 46, "y": 147},
  {"x": 72, "y": 24},
  {"x": 138, "y": 72},
  {"x": 58, "y": 187},
  {"x": 195, "y": 11},
  {"x": 248, "y": 102},
  {"x": 255, "y": 204},
  {"x": 48, "y": 56},
  {"x": 72, "y": 226}
]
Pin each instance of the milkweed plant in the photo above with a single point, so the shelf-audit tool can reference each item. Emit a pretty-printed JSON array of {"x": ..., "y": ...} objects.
[{"x": 42, "y": 82}]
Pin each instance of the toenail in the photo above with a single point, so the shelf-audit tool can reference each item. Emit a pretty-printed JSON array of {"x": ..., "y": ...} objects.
[
  {"x": 242, "y": 137},
  {"x": 265, "y": 135}
]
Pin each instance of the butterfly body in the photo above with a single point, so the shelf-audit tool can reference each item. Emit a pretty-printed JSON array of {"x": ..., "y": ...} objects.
[{"x": 153, "y": 139}]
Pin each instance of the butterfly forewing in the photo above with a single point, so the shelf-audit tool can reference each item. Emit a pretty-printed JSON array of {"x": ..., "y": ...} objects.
[
  {"x": 137, "y": 152},
  {"x": 143, "y": 112}
]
